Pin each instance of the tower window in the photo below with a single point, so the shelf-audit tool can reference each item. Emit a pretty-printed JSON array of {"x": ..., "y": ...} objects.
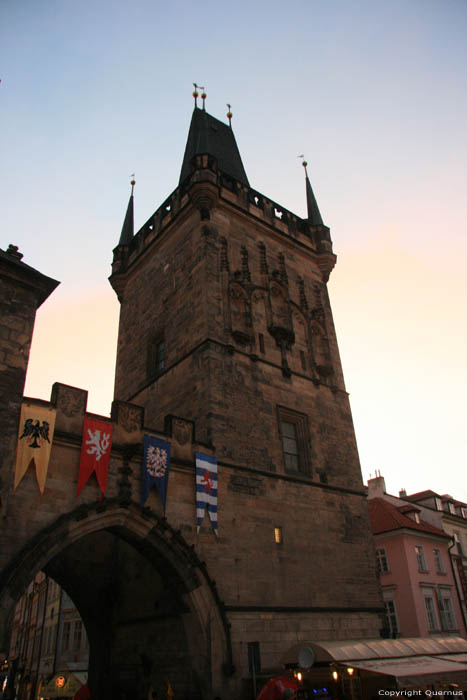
[
  {"x": 156, "y": 357},
  {"x": 278, "y": 535},
  {"x": 261, "y": 343},
  {"x": 293, "y": 430}
]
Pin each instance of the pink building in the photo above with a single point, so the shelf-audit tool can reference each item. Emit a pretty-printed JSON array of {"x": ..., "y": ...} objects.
[{"x": 413, "y": 560}]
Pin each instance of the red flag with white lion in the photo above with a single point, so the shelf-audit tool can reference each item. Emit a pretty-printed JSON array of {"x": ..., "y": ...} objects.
[{"x": 95, "y": 452}]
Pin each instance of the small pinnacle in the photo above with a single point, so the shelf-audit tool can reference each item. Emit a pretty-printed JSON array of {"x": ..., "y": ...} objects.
[
  {"x": 196, "y": 93},
  {"x": 229, "y": 115},
  {"x": 203, "y": 97}
]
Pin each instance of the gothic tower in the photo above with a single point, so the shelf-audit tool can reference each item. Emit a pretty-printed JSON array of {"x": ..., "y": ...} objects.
[{"x": 225, "y": 321}]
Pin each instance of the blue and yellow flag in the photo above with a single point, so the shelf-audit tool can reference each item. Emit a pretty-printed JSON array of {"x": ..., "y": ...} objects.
[{"x": 155, "y": 470}]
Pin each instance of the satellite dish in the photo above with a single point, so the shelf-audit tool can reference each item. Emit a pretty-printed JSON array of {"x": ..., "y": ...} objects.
[{"x": 306, "y": 657}]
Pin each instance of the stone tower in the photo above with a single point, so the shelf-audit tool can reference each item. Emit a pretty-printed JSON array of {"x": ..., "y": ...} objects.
[
  {"x": 226, "y": 322},
  {"x": 22, "y": 290}
]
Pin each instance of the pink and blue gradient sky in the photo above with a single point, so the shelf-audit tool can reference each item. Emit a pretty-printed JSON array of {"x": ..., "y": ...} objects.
[{"x": 373, "y": 92}]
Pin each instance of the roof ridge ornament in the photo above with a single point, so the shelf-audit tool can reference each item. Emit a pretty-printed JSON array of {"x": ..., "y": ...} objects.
[
  {"x": 304, "y": 163},
  {"x": 229, "y": 114},
  {"x": 132, "y": 183},
  {"x": 196, "y": 95}
]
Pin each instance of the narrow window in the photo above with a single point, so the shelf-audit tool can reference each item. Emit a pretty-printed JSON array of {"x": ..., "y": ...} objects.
[
  {"x": 452, "y": 508},
  {"x": 66, "y": 636},
  {"x": 261, "y": 343},
  {"x": 439, "y": 566},
  {"x": 156, "y": 357},
  {"x": 431, "y": 614},
  {"x": 381, "y": 561},
  {"x": 438, "y": 503},
  {"x": 293, "y": 430},
  {"x": 458, "y": 542},
  {"x": 290, "y": 446},
  {"x": 420, "y": 558},
  {"x": 278, "y": 535},
  {"x": 446, "y": 613},
  {"x": 77, "y": 634},
  {"x": 391, "y": 618}
]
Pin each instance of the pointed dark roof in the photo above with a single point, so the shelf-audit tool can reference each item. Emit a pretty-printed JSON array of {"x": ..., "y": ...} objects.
[
  {"x": 209, "y": 135},
  {"x": 128, "y": 228},
  {"x": 314, "y": 216}
]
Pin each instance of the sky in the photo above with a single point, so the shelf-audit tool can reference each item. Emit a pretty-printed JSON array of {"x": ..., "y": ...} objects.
[{"x": 374, "y": 93}]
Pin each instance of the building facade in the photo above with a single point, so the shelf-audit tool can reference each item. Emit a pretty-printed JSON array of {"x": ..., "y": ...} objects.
[
  {"x": 47, "y": 638},
  {"x": 414, "y": 562},
  {"x": 226, "y": 347}
]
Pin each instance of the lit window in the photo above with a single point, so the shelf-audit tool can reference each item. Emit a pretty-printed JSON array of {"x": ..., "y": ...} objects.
[
  {"x": 293, "y": 429},
  {"x": 439, "y": 566},
  {"x": 431, "y": 613},
  {"x": 278, "y": 535},
  {"x": 420, "y": 558},
  {"x": 417, "y": 518},
  {"x": 391, "y": 617},
  {"x": 381, "y": 561}
]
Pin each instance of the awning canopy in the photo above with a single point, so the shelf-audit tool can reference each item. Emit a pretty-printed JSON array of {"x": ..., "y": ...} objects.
[
  {"x": 353, "y": 650},
  {"x": 413, "y": 671}
]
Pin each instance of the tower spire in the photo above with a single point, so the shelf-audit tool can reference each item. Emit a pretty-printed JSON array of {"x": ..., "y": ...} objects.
[
  {"x": 128, "y": 227},
  {"x": 314, "y": 216}
]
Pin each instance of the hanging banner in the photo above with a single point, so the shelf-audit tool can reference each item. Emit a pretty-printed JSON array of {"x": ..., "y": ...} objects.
[
  {"x": 206, "y": 488},
  {"x": 95, "y": 452},
  {"x": 156, "y": 465},
  {"x": 36, "y": 431}
]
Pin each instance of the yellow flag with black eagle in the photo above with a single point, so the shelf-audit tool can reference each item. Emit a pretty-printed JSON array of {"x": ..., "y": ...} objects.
[{"x": 35, "y": 436}]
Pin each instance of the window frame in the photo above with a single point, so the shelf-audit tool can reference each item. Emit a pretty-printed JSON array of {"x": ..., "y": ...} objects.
[
  {"x": 382, "y": 561},
  {"x": 439, "y": 562},
  {"x": 300, "y": 423},
  {"x": 431, "y": 612},
  {"x": 391, "y": 617},
  {"x": 421, "y": 559},
  {"x": 154, "y": 365}
]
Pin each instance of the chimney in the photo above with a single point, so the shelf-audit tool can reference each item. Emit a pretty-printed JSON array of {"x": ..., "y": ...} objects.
[
  {"x": 402, "y": 493},
  {"x": 376, "y": 486}
]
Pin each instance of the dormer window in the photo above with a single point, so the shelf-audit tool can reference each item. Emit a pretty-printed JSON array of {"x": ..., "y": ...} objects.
[
  {"x": 452, "y": 508},
  {"x": 438, "y": 503}
]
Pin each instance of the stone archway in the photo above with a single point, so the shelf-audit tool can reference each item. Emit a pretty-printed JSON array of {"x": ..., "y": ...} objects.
[{"x": 150, "y": 610}]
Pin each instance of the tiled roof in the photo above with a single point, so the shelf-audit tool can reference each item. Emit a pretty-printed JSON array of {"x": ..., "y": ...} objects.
[
  {"x": 421, "y": 495},
  {"x": 384, "y": 517}
]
